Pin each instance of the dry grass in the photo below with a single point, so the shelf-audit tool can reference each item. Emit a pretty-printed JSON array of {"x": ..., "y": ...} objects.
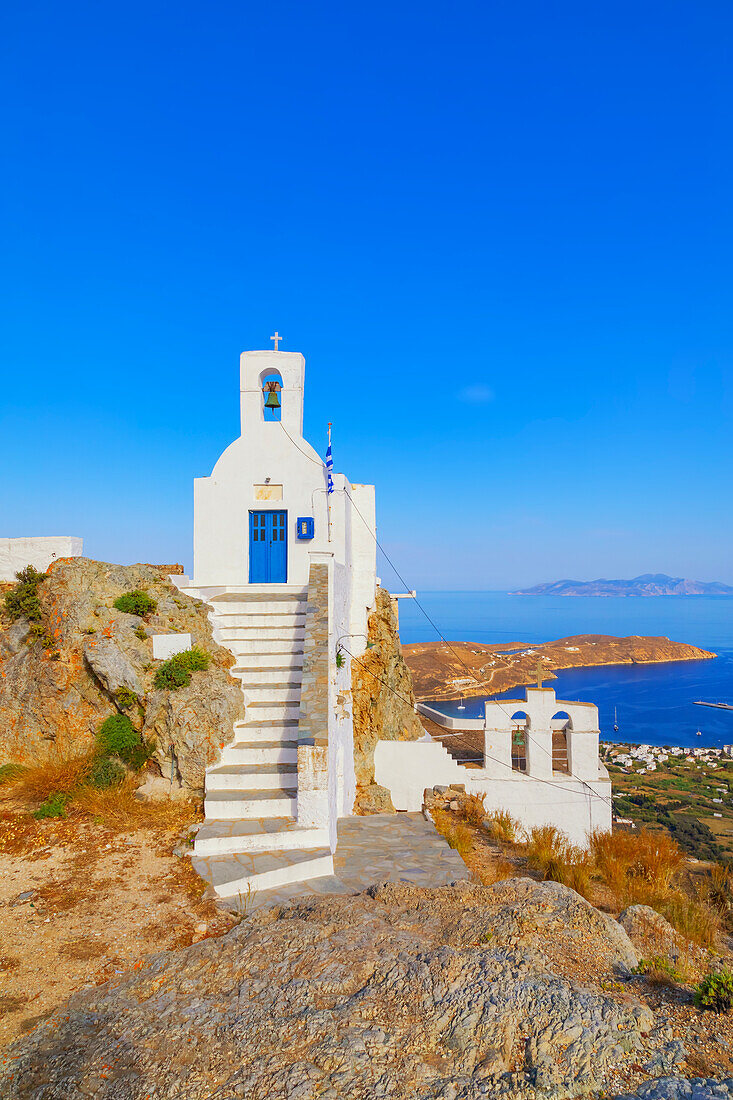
[
  {"x": 504, "y": 827},
  {"x": 465, "y": 839},
  {"x": 637, "y": 867},
  {"x": 692, "y": 917},
  {"x": 118, "y": 808},
  {"x": 550, "y": 853},
  {"x": 472, "y": 809},
  {"x": 60, "y": 775}
]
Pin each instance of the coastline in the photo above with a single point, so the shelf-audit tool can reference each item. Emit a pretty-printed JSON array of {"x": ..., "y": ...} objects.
[{"x": 469, "y": 670}]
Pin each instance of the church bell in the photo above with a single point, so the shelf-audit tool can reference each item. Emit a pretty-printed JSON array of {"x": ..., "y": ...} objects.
[{"x": 272, "y": 401}]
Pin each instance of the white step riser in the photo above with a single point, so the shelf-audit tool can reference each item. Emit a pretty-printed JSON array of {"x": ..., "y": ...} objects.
[
  {"x": 237, "y": 753},
  {"x": 269, "y": 880},
  {"x": 260, "y": 678},
  {"x": 278, "y": 713},
  {"x": 253, "y": 755},
  {"x": 271, "y": 695},
  {"x": 250, "y": 662},
  {"x": 222, "y": 810},
  {"x": 259, "y": 622},
  {"x": 251, "y": 781},
  {"x": 246, "y": 733},
  {"x": 288, "y": 840},
  {"x": 262, "y": 648},
  {"x": 261, "y": 634}
]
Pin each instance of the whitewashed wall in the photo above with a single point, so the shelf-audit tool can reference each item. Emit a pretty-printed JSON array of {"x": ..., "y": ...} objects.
[{"x": 39, "y": 551}]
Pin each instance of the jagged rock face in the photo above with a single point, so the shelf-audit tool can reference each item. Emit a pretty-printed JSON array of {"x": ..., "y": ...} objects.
[
  {"x": 462, "y": 992},
  {"x": 383, "y": 702},
  {"x": 52, "y": 700}
]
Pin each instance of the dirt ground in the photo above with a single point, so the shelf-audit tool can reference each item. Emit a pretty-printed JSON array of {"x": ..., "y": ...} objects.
[{"x": 99, "y": 900}]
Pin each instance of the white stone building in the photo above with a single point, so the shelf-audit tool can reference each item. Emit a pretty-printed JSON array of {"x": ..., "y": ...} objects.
[
  {"x": 288, "y": 570},
  {"x": 39, "y": 551},
  {"x": 541, "y": 763}
]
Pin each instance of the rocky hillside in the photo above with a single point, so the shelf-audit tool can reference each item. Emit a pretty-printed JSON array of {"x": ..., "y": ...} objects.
[
  {"x": 61, "y": 676},
  {"x": 521, "y": 989},
  {"x": 383, "y": 702}
]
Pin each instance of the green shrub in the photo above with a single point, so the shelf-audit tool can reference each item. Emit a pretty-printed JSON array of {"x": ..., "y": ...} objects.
[
  {"x": 136, "y": 603},
  {"x": 176, "y": 671},
  {"x": 54, "y": 806},
  {"x": 106, "y": 772},
  {"x": 117, "y": 736},
  {"x": 22, "y": 601},
  {"x": 141, "y": 632},
  {"x": 715, "y": 991}
]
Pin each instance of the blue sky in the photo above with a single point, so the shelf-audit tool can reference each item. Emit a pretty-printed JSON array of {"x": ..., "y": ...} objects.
[{"x": 499, "y": 232}]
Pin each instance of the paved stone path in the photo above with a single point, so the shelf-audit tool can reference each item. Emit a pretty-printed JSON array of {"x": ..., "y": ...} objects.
[{"x": 385, "y": 847}]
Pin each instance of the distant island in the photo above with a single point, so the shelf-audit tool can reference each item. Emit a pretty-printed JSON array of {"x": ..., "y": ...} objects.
[{"x": 648, "y": 584}]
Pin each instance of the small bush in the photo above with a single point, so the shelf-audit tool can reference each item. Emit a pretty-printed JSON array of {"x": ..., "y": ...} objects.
[
  {"x": 54, "y": 806},
  {"x": 715, "y": 991},
  {"x": 125, "y": 698},
  {"x": 637, "y": 867},
  {"x": 550, "y": 852},
  {"x": 22, "y": 601},
  {"x": 62, "y": 774},
  {"x": 176, "y": 671},
  {"x": 141, "y": 632},
  {"x": 136, "y": 603},
  {"x": 106, "y": 772},
  {"x": 659, "y": 971},
  {"x": 117, "y": 736}
]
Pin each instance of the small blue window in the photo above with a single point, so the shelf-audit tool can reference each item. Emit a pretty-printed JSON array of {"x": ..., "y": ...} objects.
[{"x": 304, "y": 527}]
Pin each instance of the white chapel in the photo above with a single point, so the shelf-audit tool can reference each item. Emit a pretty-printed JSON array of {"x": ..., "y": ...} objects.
[{"x": 285, "y": 557}]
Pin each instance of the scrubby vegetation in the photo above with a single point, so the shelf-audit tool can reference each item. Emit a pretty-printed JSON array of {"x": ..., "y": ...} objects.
[
  {"x": 715, "y": 991},
  {"x": 137, "y": 602},
  {"x": 54, "y": 806},
  {"x": 118, "y": 737},
  {"x": 176, "y": 671},
  {"x": 22, "y": 601}
]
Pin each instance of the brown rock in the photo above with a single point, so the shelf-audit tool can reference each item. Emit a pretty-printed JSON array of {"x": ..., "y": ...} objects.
[
  {"x": 53, "y": 700},
  {"x": 383, "y": 703}
]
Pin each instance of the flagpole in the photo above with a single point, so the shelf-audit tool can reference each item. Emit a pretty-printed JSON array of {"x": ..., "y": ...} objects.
[{"x": 328, "y": 493}]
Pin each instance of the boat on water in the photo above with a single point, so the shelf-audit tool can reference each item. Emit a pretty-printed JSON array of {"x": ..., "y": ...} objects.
[{"x": 615, "y": 721}]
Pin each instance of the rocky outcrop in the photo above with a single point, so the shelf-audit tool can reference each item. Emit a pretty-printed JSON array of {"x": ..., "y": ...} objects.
[
  {"x": 654, "y": 938},
  {"x": 383, "y": 702},
  {"x": 460, "y": 992},
  {"x": 100, "y": 660}
]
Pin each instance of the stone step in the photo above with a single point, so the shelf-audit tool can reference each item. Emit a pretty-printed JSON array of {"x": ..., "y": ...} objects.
[
  {"x": 271, "y": 694},
  {"x": 247, "y": 872},
  {"x": 257, "y": 592},
  {"x": 233, "y": 805},
  {"x": 277, "y": 712},
  {"x": 268, "y": 662},
  {"x": 231, "y": 776},
  {"x": 246, "y": 621},
  {"x": 265, "y": 731},
  {"x": 257, "y": 752},
  {"x": 256, "y": 835},
  {"x": 259, "y": 677},
  {"x": 237, "y": 752},
  {"x": 225, "y": 612}
]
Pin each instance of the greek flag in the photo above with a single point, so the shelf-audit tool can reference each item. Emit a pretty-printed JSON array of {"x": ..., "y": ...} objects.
[{"x": 329, "y": 467}]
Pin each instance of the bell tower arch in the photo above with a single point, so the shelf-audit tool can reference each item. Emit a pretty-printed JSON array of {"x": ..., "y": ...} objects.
[{"x": 255, "y": 367}]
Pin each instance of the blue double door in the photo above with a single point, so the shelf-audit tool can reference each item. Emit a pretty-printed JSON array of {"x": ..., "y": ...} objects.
[{"x": 268, "y": 547}]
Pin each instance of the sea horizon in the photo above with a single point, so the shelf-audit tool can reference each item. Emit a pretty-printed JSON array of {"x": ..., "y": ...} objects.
[{"x": 654, "y": 703}]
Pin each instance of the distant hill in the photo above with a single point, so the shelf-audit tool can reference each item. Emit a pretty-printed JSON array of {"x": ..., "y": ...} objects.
[{"x": 648, "y": 584}]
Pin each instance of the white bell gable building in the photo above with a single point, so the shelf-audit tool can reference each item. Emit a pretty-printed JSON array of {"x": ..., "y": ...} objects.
[{"x": 288, "y": 570}]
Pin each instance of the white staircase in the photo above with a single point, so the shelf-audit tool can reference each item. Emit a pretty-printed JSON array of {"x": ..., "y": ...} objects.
[{"x": 250, "y": 839}]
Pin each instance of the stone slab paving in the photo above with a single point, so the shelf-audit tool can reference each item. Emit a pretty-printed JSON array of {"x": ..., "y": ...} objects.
[{"x": 383, "y": 848}]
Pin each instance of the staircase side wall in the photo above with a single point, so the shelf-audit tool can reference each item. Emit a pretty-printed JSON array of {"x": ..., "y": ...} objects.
[{"x": 313, "y": 720}]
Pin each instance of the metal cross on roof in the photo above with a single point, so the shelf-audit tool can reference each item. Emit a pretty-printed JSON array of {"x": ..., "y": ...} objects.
[
  {"x": 540, "y": 673},
  {"x": 276, "y": 338}
]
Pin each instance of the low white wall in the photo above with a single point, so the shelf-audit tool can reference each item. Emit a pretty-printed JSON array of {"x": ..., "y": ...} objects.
[
  {"x": 449, "y": 723},
  {"x": 40, "y": 551},
  {"x": 406, "y": 768}
]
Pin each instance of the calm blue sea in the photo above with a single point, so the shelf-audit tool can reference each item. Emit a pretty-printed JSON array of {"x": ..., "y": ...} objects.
[{"x": 654, "y": 703}]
